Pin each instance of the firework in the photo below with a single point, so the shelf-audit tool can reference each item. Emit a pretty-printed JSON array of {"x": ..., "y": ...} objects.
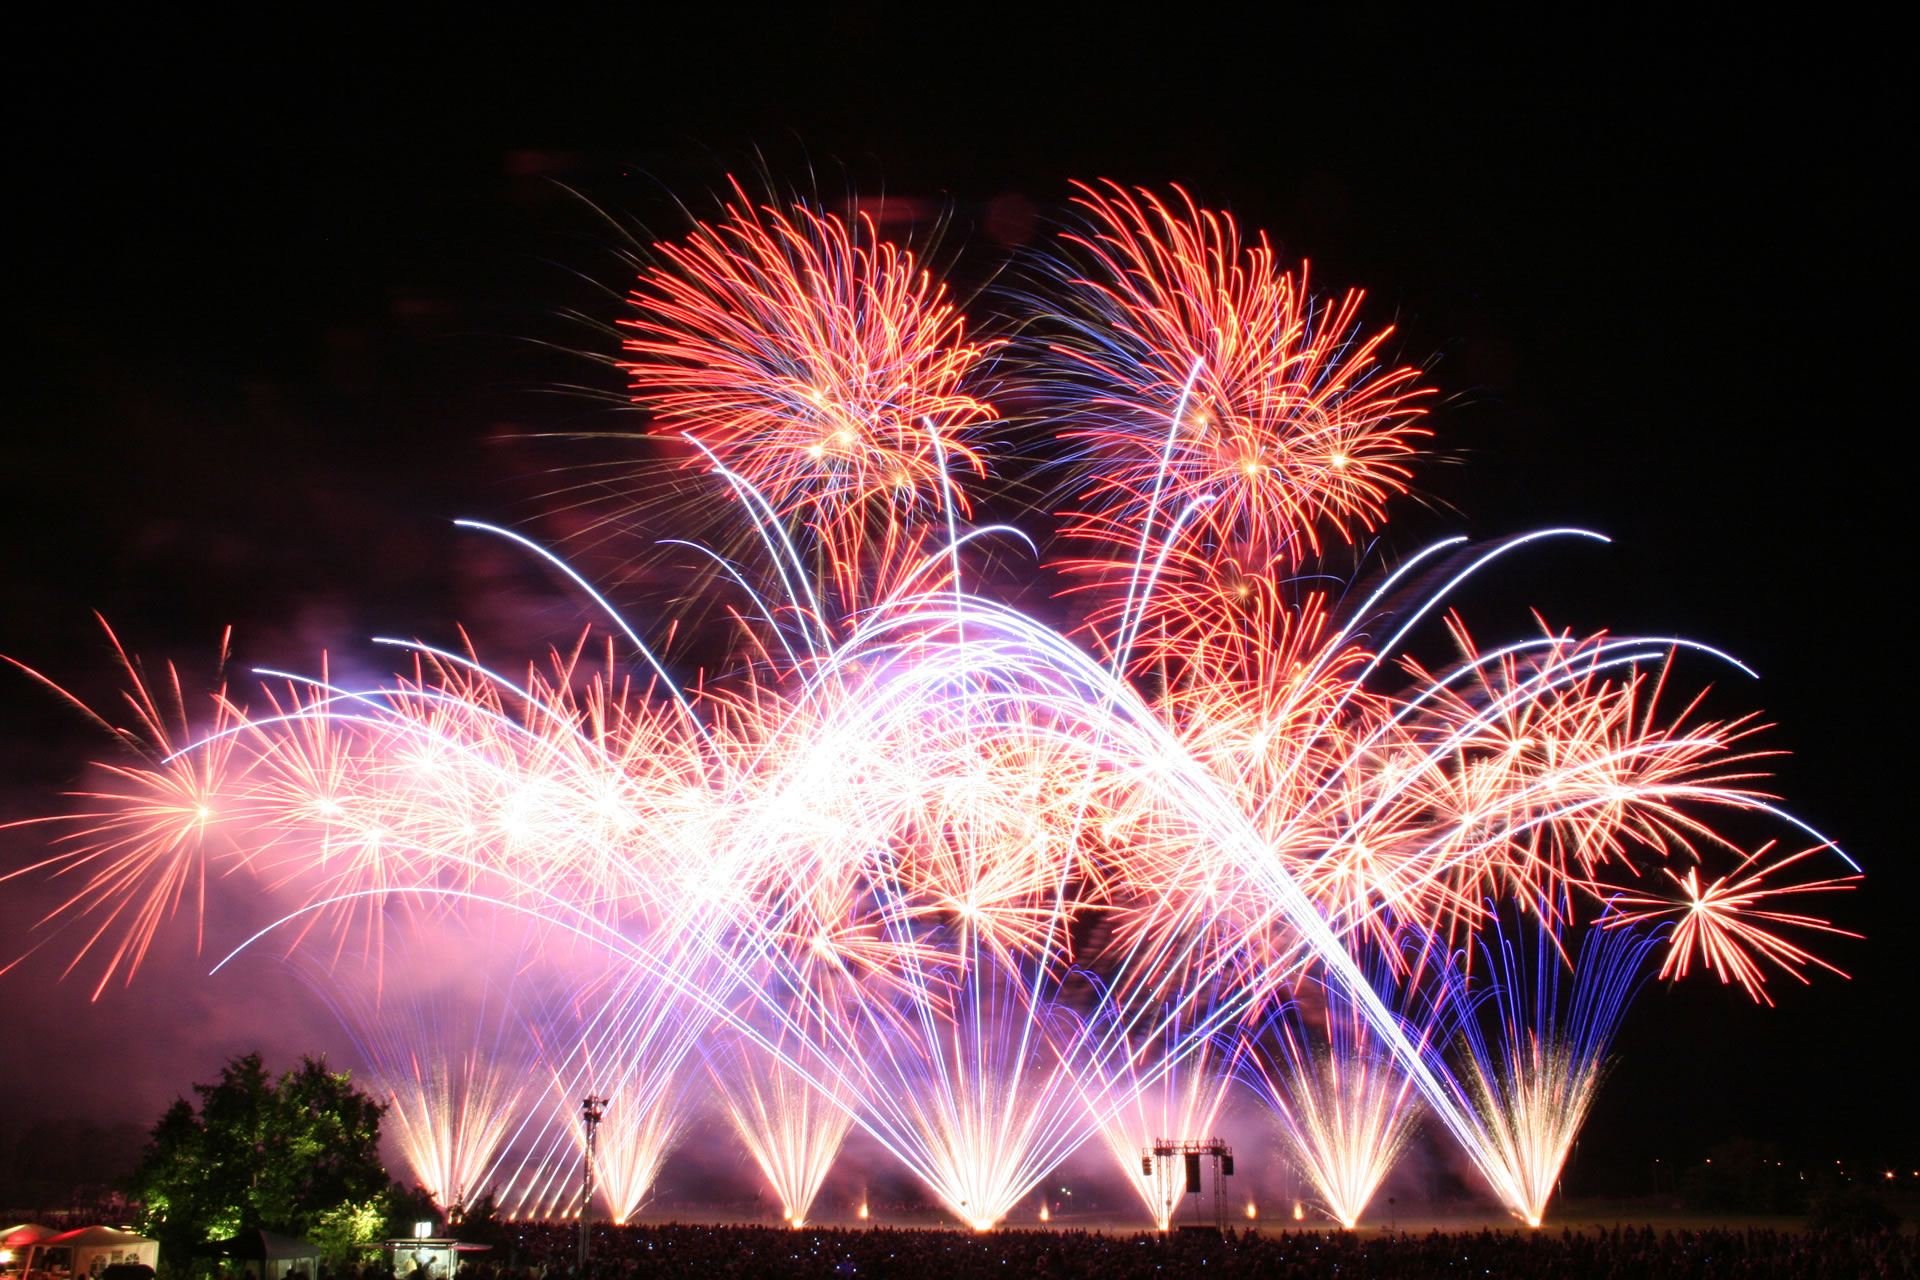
[
  {"x": 1163, "y": 1080},
  {"x": 821, "y": 365},
  {"x": 1725, "y": 925},
  {"x": 792, "y": 1123},
  {"x": 144, "y": 842},
  {"x": 1217, "y": 384},
  {"x": 908, "y": 858},
  {"x": 632, "y": 1048}
]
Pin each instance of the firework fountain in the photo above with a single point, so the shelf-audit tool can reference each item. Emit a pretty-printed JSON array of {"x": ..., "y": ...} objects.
[
  {"x": 1531, "y": 1056},
  {"x": 917, "y": 861},
  {"x": 451, "y": 1062},
  {"x": 1344, "y": 1105},
  {"x": 1165, "y": 1083},
  {"x": 790, "y": 1123}
]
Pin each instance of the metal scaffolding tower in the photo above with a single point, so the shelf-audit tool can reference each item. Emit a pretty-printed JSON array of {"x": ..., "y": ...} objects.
[
  {"x": 1191, "y": 1151},
  {"x": 591, "y": 1109}
]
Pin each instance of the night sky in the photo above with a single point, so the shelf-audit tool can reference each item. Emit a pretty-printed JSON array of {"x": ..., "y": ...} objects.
[{"x": 286, "y": 300}]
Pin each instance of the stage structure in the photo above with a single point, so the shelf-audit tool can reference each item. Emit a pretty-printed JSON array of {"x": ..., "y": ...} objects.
[{"x": 1157, "y": 1165}]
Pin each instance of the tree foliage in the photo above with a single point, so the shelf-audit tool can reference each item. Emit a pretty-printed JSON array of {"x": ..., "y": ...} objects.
[
  {"x": 1742, "y": 1176},
  {"x": 1849, "y": 1211},
  {"x": 295, "y": 1155}
]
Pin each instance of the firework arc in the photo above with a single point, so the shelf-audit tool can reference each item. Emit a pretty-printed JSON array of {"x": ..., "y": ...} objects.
[{"x": 915, "y": 861}]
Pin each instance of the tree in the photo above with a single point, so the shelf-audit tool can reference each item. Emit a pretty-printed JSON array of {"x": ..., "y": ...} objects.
[
  {"x": 481, "y": 1224},
  {"x": 1850, "y": 1212},
  {"x": 294, "y": 1155},
  {"x": 1742, "y": 1176}
]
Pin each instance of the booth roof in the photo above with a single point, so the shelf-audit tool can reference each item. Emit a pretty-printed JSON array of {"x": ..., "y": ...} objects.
[{"x": 24, "y": 1234}]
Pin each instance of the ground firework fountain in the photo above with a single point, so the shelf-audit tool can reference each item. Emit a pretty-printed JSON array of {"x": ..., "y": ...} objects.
[
  {"x": 792, "y": 1124},
  {"x": 1532, "y": 1051},
  {"x": 1344, "y": 1104},
  {"x": 450, "y": 1057}
]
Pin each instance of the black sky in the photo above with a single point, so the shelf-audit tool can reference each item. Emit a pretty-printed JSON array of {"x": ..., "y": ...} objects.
[{"x": 278, "y": 289}]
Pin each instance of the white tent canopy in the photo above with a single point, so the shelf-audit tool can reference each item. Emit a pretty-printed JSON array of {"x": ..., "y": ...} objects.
[{"x": 91, "y": 1248}]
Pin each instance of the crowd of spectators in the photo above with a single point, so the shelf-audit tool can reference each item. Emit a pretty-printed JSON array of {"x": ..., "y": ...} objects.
[{"x": 535, "y": 1252}]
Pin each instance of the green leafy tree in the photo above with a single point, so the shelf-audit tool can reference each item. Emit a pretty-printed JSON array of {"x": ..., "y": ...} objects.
[
  {"x": 295, "y": 1155},
  {"x": 341, "y": 1232}
]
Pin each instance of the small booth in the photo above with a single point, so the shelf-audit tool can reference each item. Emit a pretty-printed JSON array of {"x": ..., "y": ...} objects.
[
  {"x": 91, "y": 1250},
  {"x": 423, "y": 1257},
  {"x": 272, "y": 1257}
]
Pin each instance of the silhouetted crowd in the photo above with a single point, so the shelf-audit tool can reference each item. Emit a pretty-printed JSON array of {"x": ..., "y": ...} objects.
[{"x": 880, "y": 1253}]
